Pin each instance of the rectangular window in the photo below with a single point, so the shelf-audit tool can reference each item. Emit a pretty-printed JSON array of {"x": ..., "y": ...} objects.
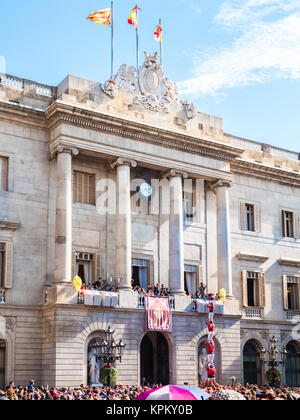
[
  {"x": 189, "y": 200},
  {"x": 85, "y": 268},
  {"x": 3, "y": 174},
  {"x": 292, "y": 293},
  {"x": 253, "y": 289},
  {"x": 190, "y": 279},
  {"x": 288, "y": 228},
  {"x": 84, "y": 188},
  {"x": 250, "y": 220},
  {"x": 249, "y": 213},
  {"x": 140, "y": 273},
  {"x": 2, "y": 265}
]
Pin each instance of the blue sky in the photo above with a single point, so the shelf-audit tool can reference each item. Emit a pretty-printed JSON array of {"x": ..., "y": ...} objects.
[{"x": 237, "y": 59}]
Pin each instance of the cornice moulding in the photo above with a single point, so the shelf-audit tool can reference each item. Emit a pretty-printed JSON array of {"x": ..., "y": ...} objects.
[
  {"x": 60, "y": 112},
  {"x": 243, "y": 256},
  {"x": 5, "y": 225},
  {"x": 265, "y": 172},
  {"x": 288, "y": 262}
]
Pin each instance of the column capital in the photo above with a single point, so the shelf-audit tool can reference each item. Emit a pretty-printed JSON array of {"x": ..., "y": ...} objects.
[
  {"x": 123, "y": 162},
  {"x": 61, "y": 148},
  {"x": 212, "y": 186},
  {"x": 173, "y": 173}
]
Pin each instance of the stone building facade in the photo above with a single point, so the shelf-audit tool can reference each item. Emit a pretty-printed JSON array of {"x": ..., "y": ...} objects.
[{"x": 124, "y": 181}]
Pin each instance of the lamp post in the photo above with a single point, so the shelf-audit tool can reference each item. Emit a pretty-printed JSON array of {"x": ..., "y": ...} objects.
[
  {"x": 108, "y": 351},
  {"x": 273, "y": 352}
]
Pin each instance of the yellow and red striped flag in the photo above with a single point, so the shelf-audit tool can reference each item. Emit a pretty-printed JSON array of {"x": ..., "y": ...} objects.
[
  {"x": 133, "y": 18},
  {"x": 102, "y": 17},
  {"x": 158, "y": 34}
]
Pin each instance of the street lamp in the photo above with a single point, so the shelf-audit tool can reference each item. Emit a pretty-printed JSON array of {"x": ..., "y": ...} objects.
[
  {"x": 108, "y": 351},
  {"x": 273, "y": 352}
]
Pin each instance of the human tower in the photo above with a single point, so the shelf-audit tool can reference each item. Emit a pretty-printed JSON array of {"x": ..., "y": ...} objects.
[{"x": 210, "y": 366}]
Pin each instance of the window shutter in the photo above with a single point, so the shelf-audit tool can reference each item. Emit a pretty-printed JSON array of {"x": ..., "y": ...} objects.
[
  {"x": 283, "y": 223},
  {"x": 244, "y": 288},
  {"x": 98, "y": 266},
  {"x": 3, "y": 174},
  {"x": 285, "y": 293},
  {"x": 73, "y": 264},
  {"x": 8, "y": 277},
  {"x": 261, "y": 290},
  {"x": 243, "y": 216},
  {"x": 199, "y": 276},
  {"x": 298, "y": 287},
  {"x": 295, "y": 225},
  {"x": 256, "y": 218}
]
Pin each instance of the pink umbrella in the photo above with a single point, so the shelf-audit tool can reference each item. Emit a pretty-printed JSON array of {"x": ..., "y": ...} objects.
[{"x": 174, "y": 393}]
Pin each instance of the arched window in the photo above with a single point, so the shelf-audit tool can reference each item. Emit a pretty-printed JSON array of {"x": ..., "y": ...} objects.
[
  {"x": 292, "y": 365},
  {"x": 2, "y": 363},
  {"x": 251, "y": 363}
]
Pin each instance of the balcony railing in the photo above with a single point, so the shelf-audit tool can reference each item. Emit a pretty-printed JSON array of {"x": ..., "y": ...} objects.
[
  {"x": 293, "y": 316},
  {"x": 253, "y": 313},
  {"x": 2, "y": 296}
]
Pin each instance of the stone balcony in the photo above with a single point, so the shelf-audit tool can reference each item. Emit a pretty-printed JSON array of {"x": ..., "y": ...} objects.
[{"x": 66, "y": 295}]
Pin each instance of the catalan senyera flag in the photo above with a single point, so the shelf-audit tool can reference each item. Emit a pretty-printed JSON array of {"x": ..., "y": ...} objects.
[
  {"x": 102, "y": 17},
  {"x": 158, "y": 34},
  {"x": 133, "y": 20}
]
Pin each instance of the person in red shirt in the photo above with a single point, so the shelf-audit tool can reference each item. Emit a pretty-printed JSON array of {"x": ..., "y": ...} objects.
[
  {"x": 210, "y": 352},
  {"x": 211, "y": 372},
  {"x": 211, "y": 308},
  {"x": 211, "y": 331}
]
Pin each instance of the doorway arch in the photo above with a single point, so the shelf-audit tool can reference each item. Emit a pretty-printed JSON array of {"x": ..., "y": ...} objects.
[
  {"x": 202, "y": 360},
  {"x": 155, "y": 359},
  {"x": 292, "y": 364},
  {"x": 2, "y": 363},
  {"x": 252, "y": 365}
]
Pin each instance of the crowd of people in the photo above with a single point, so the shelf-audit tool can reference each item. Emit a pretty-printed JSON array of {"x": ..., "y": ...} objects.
[
  {"x": 255, "y": 392},
  {"x": 130, "y": 393},
  {"x": 151, "y": 290}
]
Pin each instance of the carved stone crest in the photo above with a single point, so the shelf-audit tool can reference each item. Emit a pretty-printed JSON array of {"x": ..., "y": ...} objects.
[
  {"x": 110, "y": 88},
  {"x": 151, "y": 89},
  {"x": 190, "y": 109}
]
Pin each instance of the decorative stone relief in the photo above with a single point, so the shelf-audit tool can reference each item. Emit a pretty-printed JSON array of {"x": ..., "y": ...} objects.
[
  {"x": 10, "y": 324},
  {"x": 110, "y": 88},
  {"x": 151, "y": 102},
  {"x": 151, "y": 88},
  {"x": 190, "y": 109}
]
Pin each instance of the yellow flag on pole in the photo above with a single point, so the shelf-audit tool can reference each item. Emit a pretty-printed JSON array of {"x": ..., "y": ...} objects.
[{"x": 101, "y": 17}]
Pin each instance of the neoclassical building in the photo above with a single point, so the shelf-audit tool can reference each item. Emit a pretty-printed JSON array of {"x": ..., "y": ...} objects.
[{"x": 125, "y": 182}]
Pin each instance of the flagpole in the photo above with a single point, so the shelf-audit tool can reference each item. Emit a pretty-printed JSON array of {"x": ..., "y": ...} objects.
[
  {"x": 161, "y": 47},
  {"x": 137, "y": 41},
  {"x": 112, "y": 39}
]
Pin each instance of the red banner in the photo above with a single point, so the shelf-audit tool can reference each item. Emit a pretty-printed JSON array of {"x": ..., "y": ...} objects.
[{"x": 159, "y": 314}]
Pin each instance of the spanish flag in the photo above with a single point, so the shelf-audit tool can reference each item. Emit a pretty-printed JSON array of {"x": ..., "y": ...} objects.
[
  {"x": 133, "y": 18},
  {"x": 158, "y": 34},
  {"x": 102, "y": 17}
]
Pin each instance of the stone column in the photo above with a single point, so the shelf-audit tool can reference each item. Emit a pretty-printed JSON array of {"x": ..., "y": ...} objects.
[
  {"x": 123, "y": 222},
  {"x": 223, "y": 236},
  {"x": 63, "y": 230},
  {"x": 176, "y": 241}
]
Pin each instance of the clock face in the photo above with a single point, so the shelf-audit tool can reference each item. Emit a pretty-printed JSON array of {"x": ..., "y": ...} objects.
[{"x": 146, "y": 189}]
